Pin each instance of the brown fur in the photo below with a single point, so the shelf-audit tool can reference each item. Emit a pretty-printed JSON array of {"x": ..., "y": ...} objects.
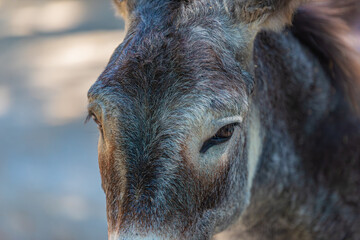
[
  {"x": 273, "y": 14},
  {"x": 122, "y": 8}
]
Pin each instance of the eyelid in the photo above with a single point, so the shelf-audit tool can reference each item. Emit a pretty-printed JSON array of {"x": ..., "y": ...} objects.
[
  {"x": 94, "y": 117},
  {"x": 220, "y": 123},
  {"x": 213, "y": 141},
  {"x": 95, "y": 110},
  {"x": 229, "y": 120}
]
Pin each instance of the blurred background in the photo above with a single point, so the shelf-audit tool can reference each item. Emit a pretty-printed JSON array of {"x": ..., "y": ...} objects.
[
  {"x": 50, "y": 54},
  {"x": 51, "y": 51}
]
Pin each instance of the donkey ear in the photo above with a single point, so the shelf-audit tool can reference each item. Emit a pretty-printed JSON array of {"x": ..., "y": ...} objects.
[
  {"x": 270, "y": 14},
  {"x": 124, "y": 7}
]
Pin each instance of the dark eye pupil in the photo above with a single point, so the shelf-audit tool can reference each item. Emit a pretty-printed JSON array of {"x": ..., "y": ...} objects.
[
  {"x": 95, "y": 119},
  {"x": 223, "y": 135},
  {"x": 225, "y": 132}
]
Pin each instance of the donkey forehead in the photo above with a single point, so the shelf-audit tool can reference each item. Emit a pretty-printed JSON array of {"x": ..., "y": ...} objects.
[
  {"x": 162, "y": 67},
  {"x": 179, "y": 70}
]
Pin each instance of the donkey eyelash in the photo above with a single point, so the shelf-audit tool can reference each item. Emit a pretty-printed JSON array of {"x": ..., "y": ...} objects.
[
  {"x": 93, "y": 116},
  {"x": 88, "y": 117}
]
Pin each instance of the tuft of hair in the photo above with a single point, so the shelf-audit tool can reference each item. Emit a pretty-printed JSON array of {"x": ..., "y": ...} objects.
[
  {"x": 322, "y": 26},
  {"x": 269, "y": 14},
  {"x": 123, "y": 7},
  {"x": 120, "y": 7}
]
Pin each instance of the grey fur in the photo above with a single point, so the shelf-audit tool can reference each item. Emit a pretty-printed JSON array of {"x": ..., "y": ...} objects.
[{"x": 183, "y": 68}]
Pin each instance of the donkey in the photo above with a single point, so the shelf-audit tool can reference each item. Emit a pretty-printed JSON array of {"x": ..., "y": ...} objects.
[{"x": 233, "y": 116}]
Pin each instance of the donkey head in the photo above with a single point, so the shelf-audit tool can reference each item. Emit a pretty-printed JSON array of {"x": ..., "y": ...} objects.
[{"x": 179, "y": 137}]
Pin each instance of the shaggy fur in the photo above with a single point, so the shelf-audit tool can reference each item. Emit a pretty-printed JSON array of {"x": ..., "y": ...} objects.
[
  {"x": 189, "y": 67},
  {"x": 271, "y": 14},
  {"x": 311, "y": 26}
]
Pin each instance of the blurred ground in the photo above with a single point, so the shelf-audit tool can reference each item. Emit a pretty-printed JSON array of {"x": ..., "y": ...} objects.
[{"x": 50, "y": 54}]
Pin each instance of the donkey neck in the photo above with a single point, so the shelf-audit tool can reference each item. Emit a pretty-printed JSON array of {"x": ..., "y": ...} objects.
[
  {"x": 293, "y": 94},
  {"x": 291, "y": 189}
]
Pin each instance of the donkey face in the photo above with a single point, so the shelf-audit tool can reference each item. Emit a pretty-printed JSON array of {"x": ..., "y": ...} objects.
[{"x": 179, "y": 143}]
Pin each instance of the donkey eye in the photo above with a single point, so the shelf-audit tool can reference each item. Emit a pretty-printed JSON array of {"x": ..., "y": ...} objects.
[
  {"x": 96, "y": 120},
  {"x": 223, "y": 135}
]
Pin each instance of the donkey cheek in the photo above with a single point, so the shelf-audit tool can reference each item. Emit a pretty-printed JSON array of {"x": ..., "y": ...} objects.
[{"x": 106, "y": 162}]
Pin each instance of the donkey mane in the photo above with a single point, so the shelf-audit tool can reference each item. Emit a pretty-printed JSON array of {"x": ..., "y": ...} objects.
[{"x": 322, "y": 27}]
